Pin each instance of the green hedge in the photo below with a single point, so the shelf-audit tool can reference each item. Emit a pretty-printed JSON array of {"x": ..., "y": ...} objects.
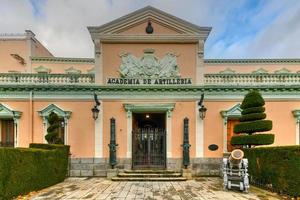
[
  {"x": 253, "y": 126},
  {"x": 253, "y": 110},
  {"x": 275, "y": 167},
  {"x": 257, "y": 139},
  {"x": 28, "y": 169},
  {"x": 252, "y": 117}
]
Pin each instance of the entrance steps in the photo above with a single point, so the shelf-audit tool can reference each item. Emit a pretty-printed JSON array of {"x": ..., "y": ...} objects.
[{"x": 149, "y": 175}]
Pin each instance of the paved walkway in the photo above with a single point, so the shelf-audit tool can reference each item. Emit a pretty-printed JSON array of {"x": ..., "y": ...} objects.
[{"x": 100, "y": 188}]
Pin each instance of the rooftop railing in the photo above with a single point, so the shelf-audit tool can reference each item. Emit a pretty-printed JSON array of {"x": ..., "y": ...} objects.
[
  {"x": 209, "y": 79},
  {"x": 252, "y": 79},
  {"x": 26, "y": 78}
]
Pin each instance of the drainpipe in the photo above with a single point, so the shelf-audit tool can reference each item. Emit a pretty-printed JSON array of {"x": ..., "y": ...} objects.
[{"x": 30, "y": 117}]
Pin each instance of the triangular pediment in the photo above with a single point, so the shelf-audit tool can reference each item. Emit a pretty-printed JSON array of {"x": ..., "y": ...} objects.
[
  {"x": 7, "y": 112},
  {"x": 136, "y": 21},
  {"x": 233, "y": 112},
  {"x": 57, "y": 110}
]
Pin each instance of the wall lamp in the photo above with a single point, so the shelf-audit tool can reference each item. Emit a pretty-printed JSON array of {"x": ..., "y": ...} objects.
[
  {"x": 95, "y": 109},
  {"x": 202, "y": 109}
]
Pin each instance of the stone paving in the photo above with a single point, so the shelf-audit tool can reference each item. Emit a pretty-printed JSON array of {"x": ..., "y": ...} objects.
[{"x": 100, "y": 188}]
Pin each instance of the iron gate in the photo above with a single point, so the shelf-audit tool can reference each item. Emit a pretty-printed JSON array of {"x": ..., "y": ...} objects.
[{"x": 149, "y": 148}]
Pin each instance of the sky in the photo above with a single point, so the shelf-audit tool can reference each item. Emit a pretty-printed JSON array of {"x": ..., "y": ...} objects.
[{"x": 240, "y": 28}]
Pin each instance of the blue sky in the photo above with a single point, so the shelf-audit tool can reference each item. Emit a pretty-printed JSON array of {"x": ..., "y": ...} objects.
[{"x": 241, "y": 28}]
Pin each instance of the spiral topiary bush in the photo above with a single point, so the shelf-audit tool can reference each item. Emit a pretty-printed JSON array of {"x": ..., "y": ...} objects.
[
  {"x": 52, "y": 130},
  {"x": 253, "y": 121}
]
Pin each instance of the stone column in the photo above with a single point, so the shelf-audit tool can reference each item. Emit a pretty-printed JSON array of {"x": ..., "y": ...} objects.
[
  {"x": 16, "y": 132},
  {"x": 296, "y": 114},
  {"x": 200, "y": 63},
  {"x": 99, "y": 133},
  {"x": 169, "y": 133},
  {"x": 98, "y": 62},
  {"x": 129, "y": 134},
  {"x": 199, "y": 134}
]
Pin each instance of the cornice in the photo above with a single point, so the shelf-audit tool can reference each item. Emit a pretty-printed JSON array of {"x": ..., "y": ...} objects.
[
  {"x": 63, "y": 59},
  {"x": 120, "y": 38},
  {"x": 143, "y": 88},
  {"x": 253, "y": 61}
]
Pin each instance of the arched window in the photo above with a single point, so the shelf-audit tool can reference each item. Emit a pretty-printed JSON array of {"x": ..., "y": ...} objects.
[{"x": 64, "y": 118}]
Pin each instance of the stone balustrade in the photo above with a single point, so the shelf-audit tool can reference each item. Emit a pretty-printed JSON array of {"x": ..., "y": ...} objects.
[
  {"x": 209, "y": 79},
  {"x": 26, "y": 78},
  {"x": 252, "y": 79}
]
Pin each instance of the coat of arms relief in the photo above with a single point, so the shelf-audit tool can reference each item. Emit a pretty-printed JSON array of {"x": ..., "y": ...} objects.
[{"x": 149, "y": 66}]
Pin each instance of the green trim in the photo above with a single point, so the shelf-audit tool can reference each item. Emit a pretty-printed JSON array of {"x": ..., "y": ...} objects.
[
  {"x": 72, "y": 70},
  {"x": 252, "y": 61},
  {"x": 41, "y": 69},
  {"x": 141, "y": 108},
  {"x": 143, "y": 88},
  {"x": 6, "y": 112},
  {"x": 63, "y": 59}
]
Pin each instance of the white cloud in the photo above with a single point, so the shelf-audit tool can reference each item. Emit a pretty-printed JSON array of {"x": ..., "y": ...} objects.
[{"x": 62, "y": 24}]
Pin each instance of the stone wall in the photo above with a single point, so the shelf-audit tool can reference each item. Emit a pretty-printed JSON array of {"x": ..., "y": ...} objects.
[{"x": 99, "y": 166}]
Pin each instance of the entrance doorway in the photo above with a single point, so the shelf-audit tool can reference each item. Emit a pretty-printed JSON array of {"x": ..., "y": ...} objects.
[{"x": 149, "y": 141}]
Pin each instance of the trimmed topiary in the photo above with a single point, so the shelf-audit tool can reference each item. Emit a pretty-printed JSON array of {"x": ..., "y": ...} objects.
[
  {"x": 253, "y": 110},
  {"x": 259, "y": 139},
  {"x": 252, "y": 99},
  {"x": 253, "y": 126},
  {"x": 252, "y": 121},
  {"x": 52, "y": 130},
  {"x": 253, "y": 116}
]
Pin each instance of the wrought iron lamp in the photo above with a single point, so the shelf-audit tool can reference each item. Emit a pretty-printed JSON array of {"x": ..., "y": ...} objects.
[
  {"x": 202, "y": 109},
  {"x": 96, "y": 110}
]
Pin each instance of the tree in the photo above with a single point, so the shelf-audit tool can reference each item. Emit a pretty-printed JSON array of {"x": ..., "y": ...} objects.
[
  {"x": 253, "y": 121},
  {"x": 52, "y": 130}
]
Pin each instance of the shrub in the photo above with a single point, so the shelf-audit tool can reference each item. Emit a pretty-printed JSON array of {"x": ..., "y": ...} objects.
[
  {"x": 28, "y": 169},
  {"x": 52, "y": 130},
  {"x": 275, "y": 167},
  {"x": 252, "y": 121},
  {"x": 259, "y": 139}
]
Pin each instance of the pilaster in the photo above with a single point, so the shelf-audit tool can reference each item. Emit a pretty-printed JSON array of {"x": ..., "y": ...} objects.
[
  {"x": 29, "y": 47},
  {"x": 98, "y": 62},
  {"x": 200, "y": 63}
]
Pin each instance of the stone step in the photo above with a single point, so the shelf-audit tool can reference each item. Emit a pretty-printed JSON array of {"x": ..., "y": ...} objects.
[
  {"x": 148, "y": 179},
  {"x": 121, "y": 174},
  {"x": 149, "y": 171}
]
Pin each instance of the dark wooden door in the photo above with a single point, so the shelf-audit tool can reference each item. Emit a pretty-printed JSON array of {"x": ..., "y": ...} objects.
[
  {"x": 7, "y": 133},
  {"x": 230, "y": 133}
]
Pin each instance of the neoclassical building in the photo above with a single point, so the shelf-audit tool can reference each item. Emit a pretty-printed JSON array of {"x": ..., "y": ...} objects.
[{"x": 148, "y": 74}]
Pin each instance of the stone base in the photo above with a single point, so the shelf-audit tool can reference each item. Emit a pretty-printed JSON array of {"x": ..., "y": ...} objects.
[
  {"x": 111, "y": 173},
  {"x": 100, "y": 166},
  {"x": 206, "y": 166},
  {"x": 186, "y": 173}
]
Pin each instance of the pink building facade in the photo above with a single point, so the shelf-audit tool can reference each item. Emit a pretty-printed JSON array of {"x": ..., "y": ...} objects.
[{"x": 148, "y": 73}]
